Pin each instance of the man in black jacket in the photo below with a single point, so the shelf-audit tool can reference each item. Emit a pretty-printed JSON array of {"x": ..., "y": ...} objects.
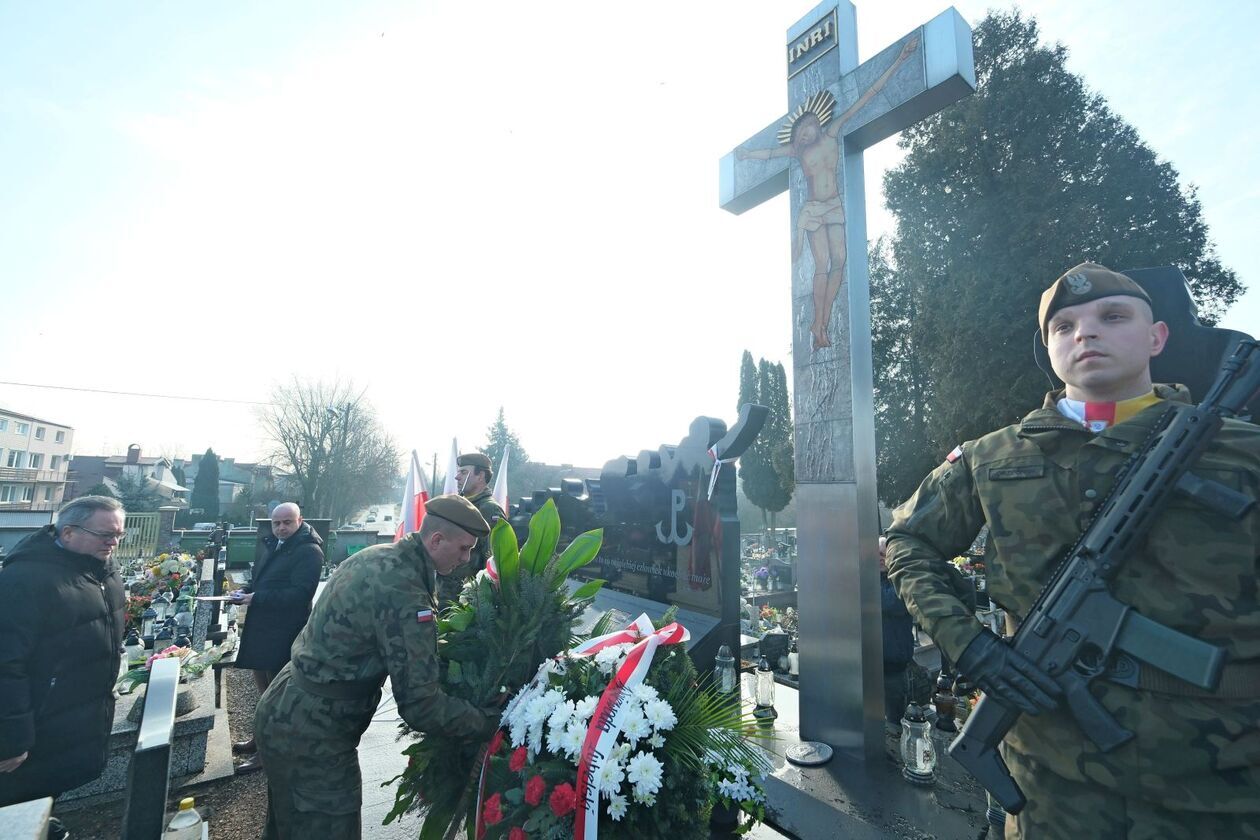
[
  {"x": 279, "y": 599},
  {"x": 62, "y": 613}
]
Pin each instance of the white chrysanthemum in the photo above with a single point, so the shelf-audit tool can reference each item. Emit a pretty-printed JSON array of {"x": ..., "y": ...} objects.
[
  {"x": 644, "y": 693},
  {"x": 645, "y": 771},
  {"x": 610, "y": 657},
  {"x": 585, "y": 707},
  {"x": 634, "y": 727},
  {"x": 610, "y": 778},
  {"x": 656, "y": 742},
  {"x": 536, "y": 710},
  {"x": 617, "y": 807},
  {"x": 660, "y": 714},
  {"x": 535, "y": 740},
  {"x": 574, "y": 735},
  {"x": 621, "y": 753},
  {"x": 560, "y": 716},
  {"x": 648, "y": 799}
]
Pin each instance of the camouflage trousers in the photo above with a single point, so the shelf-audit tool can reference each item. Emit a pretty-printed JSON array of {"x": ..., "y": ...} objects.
[
  {"x": 1059, "y": 808},
  {"x": 309, "y": 747}
]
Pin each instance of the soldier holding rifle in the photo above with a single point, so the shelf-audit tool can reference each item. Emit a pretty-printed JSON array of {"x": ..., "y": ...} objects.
[{"x": 1188, "y": 761}]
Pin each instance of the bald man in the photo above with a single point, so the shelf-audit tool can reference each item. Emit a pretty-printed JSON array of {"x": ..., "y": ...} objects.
[{"x": 279, "y": 599}]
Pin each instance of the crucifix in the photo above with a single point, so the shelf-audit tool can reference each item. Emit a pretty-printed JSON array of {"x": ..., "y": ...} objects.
[{"x": 837, "y": 109}]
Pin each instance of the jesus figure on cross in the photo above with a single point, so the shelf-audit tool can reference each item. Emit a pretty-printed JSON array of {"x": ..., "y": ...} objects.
[{"x": 816, "y": 146}]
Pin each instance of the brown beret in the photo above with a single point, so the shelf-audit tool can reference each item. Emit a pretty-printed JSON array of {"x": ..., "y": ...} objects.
[
  {"x": 473, "y": 459},
  {"x": 1087, "y": 281},
  {"x": 459, "y": 511}
]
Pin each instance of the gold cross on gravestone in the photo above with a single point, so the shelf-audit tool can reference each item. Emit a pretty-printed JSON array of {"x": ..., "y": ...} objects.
[{"x": 837, "y": 108}]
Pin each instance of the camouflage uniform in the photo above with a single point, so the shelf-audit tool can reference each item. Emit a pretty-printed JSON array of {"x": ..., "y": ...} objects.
[
  {"x": 449, "y": 586},
  {"x": 366, "y": 624},
  {"x": 1036, "y": 484}
]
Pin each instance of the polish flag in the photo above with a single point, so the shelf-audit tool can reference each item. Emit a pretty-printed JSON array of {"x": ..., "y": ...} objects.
[
  {"x": 414, "y": 497},
  {"x": 452, "y": 483},
  {"x": 500, "y": 492}
]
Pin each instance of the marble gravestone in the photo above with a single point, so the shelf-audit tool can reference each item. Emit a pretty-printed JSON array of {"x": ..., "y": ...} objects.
[{"x": 838, "y": 107}]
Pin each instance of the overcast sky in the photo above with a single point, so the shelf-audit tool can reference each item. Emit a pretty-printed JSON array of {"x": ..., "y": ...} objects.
[{"x": 461, "y": 207}]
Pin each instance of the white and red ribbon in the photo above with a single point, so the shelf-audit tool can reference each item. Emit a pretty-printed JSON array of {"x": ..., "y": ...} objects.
[
  {"x": 609, "y": 713},
  {"x": 718, "y": 461}
]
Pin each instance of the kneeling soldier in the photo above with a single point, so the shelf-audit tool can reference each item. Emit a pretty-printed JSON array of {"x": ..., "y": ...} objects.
[{"x": 376, "y": 617}]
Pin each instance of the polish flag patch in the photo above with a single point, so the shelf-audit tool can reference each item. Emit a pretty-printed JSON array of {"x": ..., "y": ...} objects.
[
  {"x": 955, "y": 455},
  {"x": 423, "y": 616}
]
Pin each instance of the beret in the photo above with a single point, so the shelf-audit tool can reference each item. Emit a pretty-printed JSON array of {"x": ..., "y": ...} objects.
[
  {"x": 1087, "y": 281},
  {"x": 474, "y": 459},
  {"x": 459, "y": 511}
]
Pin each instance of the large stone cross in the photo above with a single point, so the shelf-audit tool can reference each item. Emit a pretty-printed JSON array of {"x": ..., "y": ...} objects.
[{"x": 837, "y": 109}]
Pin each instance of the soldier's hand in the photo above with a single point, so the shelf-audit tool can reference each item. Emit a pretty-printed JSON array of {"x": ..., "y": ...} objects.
[{"x": 1008, "y": 676}]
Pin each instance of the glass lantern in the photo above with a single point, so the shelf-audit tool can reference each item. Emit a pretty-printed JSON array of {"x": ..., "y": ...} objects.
[
  {"x": 147, "y": 621},
  {"x": 724, "y": 676},
  {"x": 763, "y": 690},
  {"x": 133, "y": 647},
  {"x": 794, "y": 659},
  {"x": 918, "y": 752}
]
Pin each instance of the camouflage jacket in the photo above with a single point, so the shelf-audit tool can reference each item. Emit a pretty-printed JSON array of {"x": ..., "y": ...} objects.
[
  {"x": 1036, "y": 485},
  {"x": 492, "y": 513},
  {"x": 376, "y": 617}
]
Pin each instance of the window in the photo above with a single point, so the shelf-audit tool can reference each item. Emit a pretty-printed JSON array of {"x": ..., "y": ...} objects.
[
  {"x": 28, "y": 493},
  {"x": 15, "y": 459},
  {"x": 23, "y": 428},
  {"x": 39, "y": 432},
  {"x": 4, "y": 425},
  {"x": 61, "y": 437},
  {"x": 55, "y": 464},
  {"x": 8, "y": 493},
  {"x": 48, "y": 494},
  {"x": 37, "y": 460}
]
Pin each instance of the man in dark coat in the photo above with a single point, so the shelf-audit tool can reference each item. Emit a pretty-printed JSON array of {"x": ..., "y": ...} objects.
[
  {"x": 62, "y": 613},
  {"x": 279, "y": 599}
]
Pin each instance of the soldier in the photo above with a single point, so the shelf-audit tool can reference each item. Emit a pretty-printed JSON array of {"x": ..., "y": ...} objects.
[
  {"x": 376, "y": 617},
  {"x": 474, "y": 477},
  {"x": 1193, "y": 768}
]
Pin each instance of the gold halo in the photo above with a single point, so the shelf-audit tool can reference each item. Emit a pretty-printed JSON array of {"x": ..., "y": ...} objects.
[{"x": 820, "y": 105}]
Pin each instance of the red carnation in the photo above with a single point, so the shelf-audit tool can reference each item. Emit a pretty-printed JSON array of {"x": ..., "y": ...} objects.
[
  {"x": 492, "y": 810},
  {"x": 517, "y": 833},
  {"x": 517, "y": 761},
  {"x": 496, "y": 742},
  {"x": 563, "y": 799},
  {"x": 534, "y": 789}
]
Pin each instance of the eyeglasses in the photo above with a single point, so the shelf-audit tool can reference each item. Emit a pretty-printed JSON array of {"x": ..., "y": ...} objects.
[{"x": 104, "y": 535}]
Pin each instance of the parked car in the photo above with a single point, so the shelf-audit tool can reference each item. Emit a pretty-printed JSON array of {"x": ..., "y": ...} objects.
[{"x": 204, "y": 526}]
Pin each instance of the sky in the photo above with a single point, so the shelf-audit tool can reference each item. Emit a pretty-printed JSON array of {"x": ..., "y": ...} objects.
[{"x": 460, "y": 208}]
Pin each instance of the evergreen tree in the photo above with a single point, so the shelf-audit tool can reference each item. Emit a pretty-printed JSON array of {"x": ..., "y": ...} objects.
[
  {"x": 101, "y": 489},
  {"x": 747, "y": 381},
  {"x": 997, "y": 195},
  {"x": 782, "y": 452},
  {"x": 764, "y": 485},
  {"x": 205, "y": 490},
  {"x": 137, "y": 495},
  {"x": 500, "y": 438}
]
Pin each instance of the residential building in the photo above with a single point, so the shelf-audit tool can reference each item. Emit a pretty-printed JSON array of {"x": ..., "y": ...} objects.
[
  {"x": 87, "y": 471},
  {"x": 34, "y": 459}
]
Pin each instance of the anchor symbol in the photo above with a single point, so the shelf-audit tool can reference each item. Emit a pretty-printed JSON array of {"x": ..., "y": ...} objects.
[{"x": 678, "y": 501}]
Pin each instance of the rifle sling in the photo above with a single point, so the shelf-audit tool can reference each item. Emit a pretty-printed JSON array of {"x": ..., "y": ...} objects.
[{"x": 1239, "y": 681}]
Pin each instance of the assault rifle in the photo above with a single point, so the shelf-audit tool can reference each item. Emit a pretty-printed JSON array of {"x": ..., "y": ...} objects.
[{"x": 1076, "y": 631}]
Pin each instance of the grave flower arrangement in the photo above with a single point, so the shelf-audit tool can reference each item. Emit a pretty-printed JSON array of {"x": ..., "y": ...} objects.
[
  {"x": 671, "y": 751},
  {"x": 617, "y": 738},
  {"x": 192, "y": 665}
]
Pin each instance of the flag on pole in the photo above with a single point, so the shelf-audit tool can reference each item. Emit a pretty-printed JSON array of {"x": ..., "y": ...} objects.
[
  {"x": 500, "y": 492},
  {"x": 415, "y": 495},
  {"x": 451, "y": 485}
]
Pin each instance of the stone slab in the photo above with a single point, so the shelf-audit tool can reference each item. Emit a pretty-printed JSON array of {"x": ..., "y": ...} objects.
[
  {"x": 26, "y": 820},
  {"x": 851, "y": 799}
]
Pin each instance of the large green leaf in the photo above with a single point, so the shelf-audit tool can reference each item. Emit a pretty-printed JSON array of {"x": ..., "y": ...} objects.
[
  {"x": 588, "y": 589},
  {"x": 507, "y": 557},
  {"x": 580, "y": 552},
  {"x": 544, "y": 533}
]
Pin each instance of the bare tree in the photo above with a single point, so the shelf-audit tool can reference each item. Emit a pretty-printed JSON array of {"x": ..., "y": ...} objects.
[{"x": 328, "y": 436}]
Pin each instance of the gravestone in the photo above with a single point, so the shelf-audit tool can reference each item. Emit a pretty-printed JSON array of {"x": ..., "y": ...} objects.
[
  {"x": 671, "y": 530},
  {"x": 838, "y": 108}
]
